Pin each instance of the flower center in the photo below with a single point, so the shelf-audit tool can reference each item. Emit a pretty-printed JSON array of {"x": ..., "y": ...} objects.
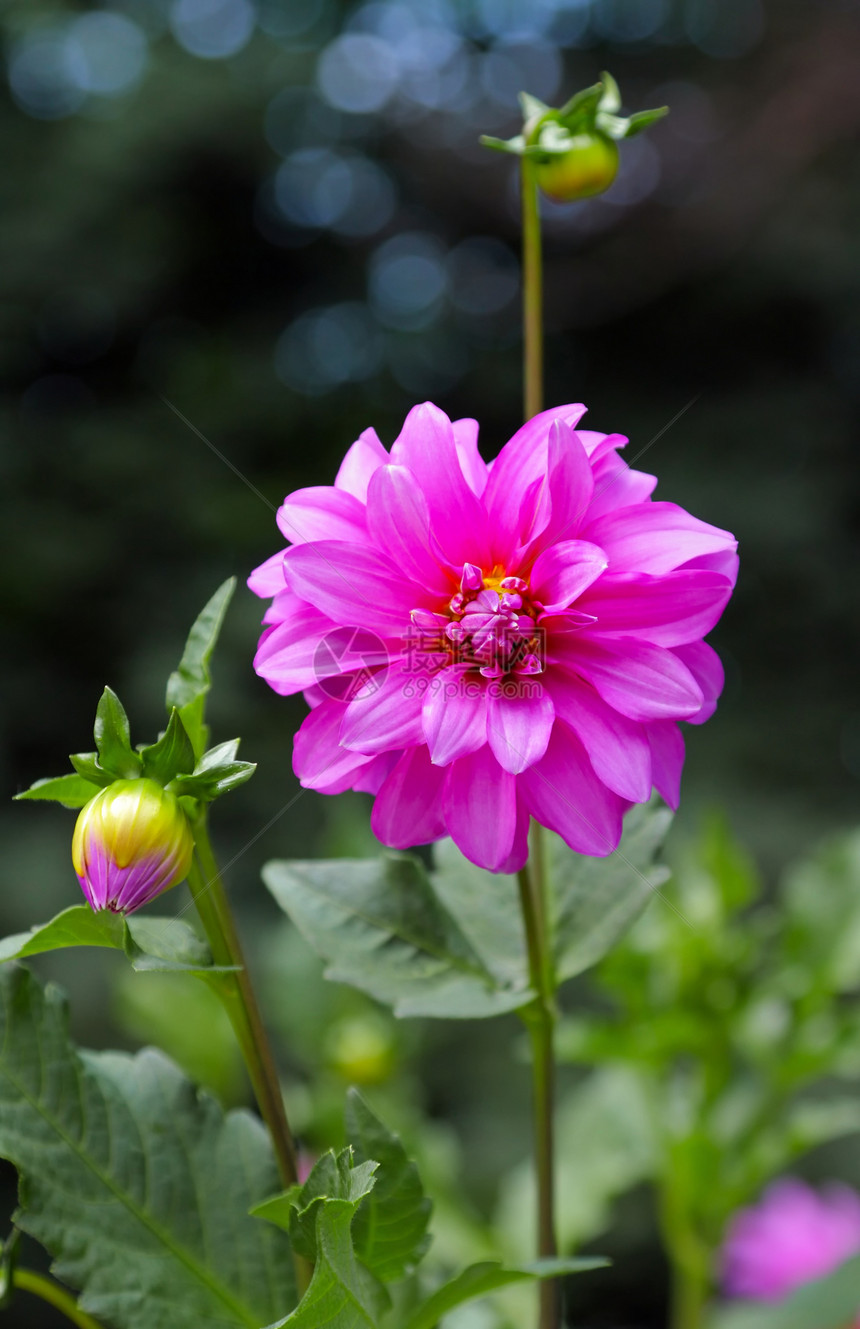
[{"x": 490, "y": 624}]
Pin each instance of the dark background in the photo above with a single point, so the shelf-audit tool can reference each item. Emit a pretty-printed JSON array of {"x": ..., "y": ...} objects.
[{"x": 253, "y": 230}]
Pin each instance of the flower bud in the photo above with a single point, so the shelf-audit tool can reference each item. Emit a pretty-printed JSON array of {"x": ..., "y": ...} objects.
[
  {"x": 588, "y": 167},
  {"x": 131, "y": 842}
]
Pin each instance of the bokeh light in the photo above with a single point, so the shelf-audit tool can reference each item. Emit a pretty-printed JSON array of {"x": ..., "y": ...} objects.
[
  {"x": 212, "y": 29},
  {"x": 408, "y": 280},
  {"x": 326, "y": 348}
]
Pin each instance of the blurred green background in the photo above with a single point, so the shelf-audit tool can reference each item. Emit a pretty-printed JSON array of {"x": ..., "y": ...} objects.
[{"x": 233, "y": 235}]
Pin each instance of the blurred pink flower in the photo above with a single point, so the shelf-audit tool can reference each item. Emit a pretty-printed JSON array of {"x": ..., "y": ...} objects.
[
  {"x": 794, "y": 1234},
  {"x": 482, "y": 643}
]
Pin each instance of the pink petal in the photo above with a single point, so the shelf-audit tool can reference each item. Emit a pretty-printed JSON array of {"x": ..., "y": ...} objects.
[
  {"x": 519, "y": 854},
  {"x": 519, "y": 722},
  {"x": 617, "y": 747},
  {"x": 521, "y": 462},
  {"x": 292, "y": 655},
  {"x": 481, "y": 809},
  {"x": 398, "y": 521},
  {"x": 359, "y": 464},
  {"x": 669, "y": 611},
  {"x": 598, "y": 446},
  {"x": 655, "y": 538},
  {"x": 641, "y": 681},
  {"x": 616, "y": 485},
  {"x": 706, "y": 667},
  {"x": 372, "y": 777},
  {"x": 268, "y": 579},
  {"x": 562, "y": 572},
  {"x": 321, "y": 513},
  {"x": 386, "y": 715},
  {"x": 472, "y": 464},
  {"x": 667, "y": 759},
  {"x": 454, "y": 715},
  {"x": 571, "y": 483},
  {"x": 355, "y": 585},
  {"x": 426, "y": 446},
  {"x": 408, "y": 807},
  {"x": 319, "y": 759},
  {"x": 726, "y": 562},
  {"x": 563, "y": 793}
]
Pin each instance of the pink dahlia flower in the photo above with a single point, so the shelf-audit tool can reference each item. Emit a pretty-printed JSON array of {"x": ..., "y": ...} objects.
[
  {"x": 485, "y": 642},
  {"x": 793, "y": 1235}
]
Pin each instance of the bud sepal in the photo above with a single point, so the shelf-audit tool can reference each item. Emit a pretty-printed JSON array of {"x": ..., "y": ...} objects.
[
  {"x": 131, "y": 842},
  {"x": 574, "y": 147}
]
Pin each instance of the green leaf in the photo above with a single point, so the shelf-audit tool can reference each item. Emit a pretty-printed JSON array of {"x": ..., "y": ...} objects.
[
  {"x": 113, "y": 738},
  {"x": 342, "y": 1293},
  {"x": 480, "y": 1279},
  {"x": 390, "y": 1228},
  {"x": 486, "y": 906},
  {"x": 213, "y": 783},
  {"x": 87, "y": 765},
  {"x": 826, "y": 1303},
  {"x": 598, "y": 898},
  {"x": 644, "y": 119},
  {"x": 381, "y": 928},
  {"x": 188, "y": 685},
  {"x": 611, "y": 97},
  {"x": 331, "y": 1178},
  {"x": 172, "y": 755},
  {"x": 138, "y": 1186},
  {"x": 532, "y": 107},
  {"x": 514, "y": 145},
  {"x": 73, "y": 791},
  {"x": 581, "y": 107},
  {"x": 162, "y": 944}
]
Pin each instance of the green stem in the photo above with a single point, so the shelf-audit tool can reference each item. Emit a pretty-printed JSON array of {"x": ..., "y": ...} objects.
[
  {"x": 690, "y": 1264},
  {"x": 532, "y": 292},
  {"x": 239, "y": 998},
  {"x": 540, "y": 1020},
  {"x": 40, "y": 1286}
]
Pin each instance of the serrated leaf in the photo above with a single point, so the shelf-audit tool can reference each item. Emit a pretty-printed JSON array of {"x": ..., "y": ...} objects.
[
  {"x": 163, "y": 944},
  {"x": 390, "y": 1228},
  {"x": 172, "y": 755},
  {"x": 331, "y": 1178},
  {"x": 598, "y": 898},
  {"x": 481, "y": 1279},
  {"x": 825, "y": 1303},
  {"x": 487, "y": 908},
  {"x": 138, "y": 1186},
  {"x": 73, "y": 791},
  {"x": 381, "y": 928},
  {"x": 188, "y": 685},
  {"x": 113, "y": 738},
  {"x": 342, "y": 1294}
]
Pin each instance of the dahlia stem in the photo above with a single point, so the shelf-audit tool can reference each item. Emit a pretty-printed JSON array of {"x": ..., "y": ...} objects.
[
  {"x": 540, "y": 1020},
  {"x": 55, "y": 1295},
  {"x": 689, "y": 1261},
  {"x": 532, "y": 291},
  {"x": 237, "y": 994}
]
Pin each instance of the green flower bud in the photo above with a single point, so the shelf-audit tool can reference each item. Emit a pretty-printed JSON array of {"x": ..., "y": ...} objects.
[
  {"x": 588, "y": 167},
  {"x": 131, "y": 842}
]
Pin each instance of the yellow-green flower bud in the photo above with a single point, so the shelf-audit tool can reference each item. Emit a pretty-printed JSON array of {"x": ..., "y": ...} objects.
[
  {"x": 588, "y": 167},
  {"x": 131, "y": 842}
]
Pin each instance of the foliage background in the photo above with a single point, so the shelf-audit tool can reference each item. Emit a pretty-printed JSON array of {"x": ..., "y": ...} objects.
[{"x": 274, "y": 220}]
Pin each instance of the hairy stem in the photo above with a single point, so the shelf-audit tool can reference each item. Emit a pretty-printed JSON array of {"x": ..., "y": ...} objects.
[
  {"x": 45, "y": 1288},
  {"x": 532, "y": 292},
  {"x": 239, "y": 998},
  {"x": 540, "y": 1020}
]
